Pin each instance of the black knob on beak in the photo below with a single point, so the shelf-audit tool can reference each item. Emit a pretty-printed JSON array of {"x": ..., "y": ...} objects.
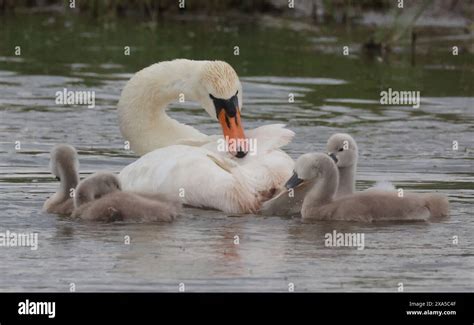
[{"x": 240, "y": 154}]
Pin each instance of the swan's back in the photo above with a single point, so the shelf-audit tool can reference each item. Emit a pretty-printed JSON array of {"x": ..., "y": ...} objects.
[
  {"x": 126, "y": 206},
  {"x": 207, "y": 178},
  {"x": 96, "y": 186},
  {"x": 100, "y": 198},
  {"x": 383, "y": 206}
]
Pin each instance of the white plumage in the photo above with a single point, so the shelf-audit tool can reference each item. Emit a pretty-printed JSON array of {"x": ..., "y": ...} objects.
[{"x": 183, "y": 163}]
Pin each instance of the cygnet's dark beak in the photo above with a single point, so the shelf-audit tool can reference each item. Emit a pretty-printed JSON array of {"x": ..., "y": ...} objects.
[
  {"x": 294, "y": 181},
  {"x": 333, "y": 156}
]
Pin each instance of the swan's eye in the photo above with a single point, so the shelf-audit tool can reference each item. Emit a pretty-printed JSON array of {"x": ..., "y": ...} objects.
[{"x": 342, "y": 149}]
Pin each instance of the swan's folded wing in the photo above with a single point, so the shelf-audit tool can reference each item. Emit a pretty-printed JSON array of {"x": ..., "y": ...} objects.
[
  {"x": 269, "y": 137},
  {"x": 222, "y": 162}
]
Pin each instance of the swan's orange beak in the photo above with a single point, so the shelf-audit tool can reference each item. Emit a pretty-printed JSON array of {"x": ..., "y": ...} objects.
[{"x": 233, "y": 133}]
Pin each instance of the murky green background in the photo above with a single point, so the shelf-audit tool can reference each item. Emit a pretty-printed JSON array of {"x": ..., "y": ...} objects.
[{"x": 334, "y": 93}]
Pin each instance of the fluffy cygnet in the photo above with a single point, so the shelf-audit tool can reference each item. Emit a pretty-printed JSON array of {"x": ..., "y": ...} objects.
[
  {"x": 64, "y": 164},
  {"x": 100, "y": 198},
  {"x": 342, "y": 148},
  {"x": 320, "y": 174}
]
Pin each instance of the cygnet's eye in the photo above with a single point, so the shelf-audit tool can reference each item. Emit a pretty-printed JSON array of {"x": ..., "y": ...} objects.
[{"x": 342, "y": 149}]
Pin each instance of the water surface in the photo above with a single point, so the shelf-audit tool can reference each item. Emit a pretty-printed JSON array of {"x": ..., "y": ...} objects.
[{"x": 410, "y": 147}]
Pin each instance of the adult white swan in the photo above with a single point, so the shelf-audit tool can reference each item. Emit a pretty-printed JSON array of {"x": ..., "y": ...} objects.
[{"x": 232, "y": 175}]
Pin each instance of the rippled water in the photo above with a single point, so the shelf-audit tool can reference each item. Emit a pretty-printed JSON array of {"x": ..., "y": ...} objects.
[{"x": 410, "y": 147}]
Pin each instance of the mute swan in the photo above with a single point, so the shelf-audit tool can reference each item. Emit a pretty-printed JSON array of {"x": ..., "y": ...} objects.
[
  {"x": 99, "y": 198},
  {"x": 64, "y": 164},
  {"x": 320, "y": 173},
  {"x": 180, "y": 161}
]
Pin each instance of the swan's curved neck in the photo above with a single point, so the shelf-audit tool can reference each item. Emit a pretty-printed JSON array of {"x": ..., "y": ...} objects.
[
  {"x": 322, "y": 191},
  {"x": 143, "y": 102},
  {"x": 346, "y": 180},
  {"x": 69, "y": 181}
]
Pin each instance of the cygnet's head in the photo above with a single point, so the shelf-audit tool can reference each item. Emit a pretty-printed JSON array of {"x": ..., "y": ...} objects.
[
  {"x": 342, "y": 148},
  {"x": 311, "y": 167},
  {"x": 64, "y": 161},
  {"x": 221, "y": 96},
  {"x": 96, "y": 186}
]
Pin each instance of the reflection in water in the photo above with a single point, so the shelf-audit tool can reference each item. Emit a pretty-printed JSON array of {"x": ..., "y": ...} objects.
[{"x": 227, "y": 250}]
